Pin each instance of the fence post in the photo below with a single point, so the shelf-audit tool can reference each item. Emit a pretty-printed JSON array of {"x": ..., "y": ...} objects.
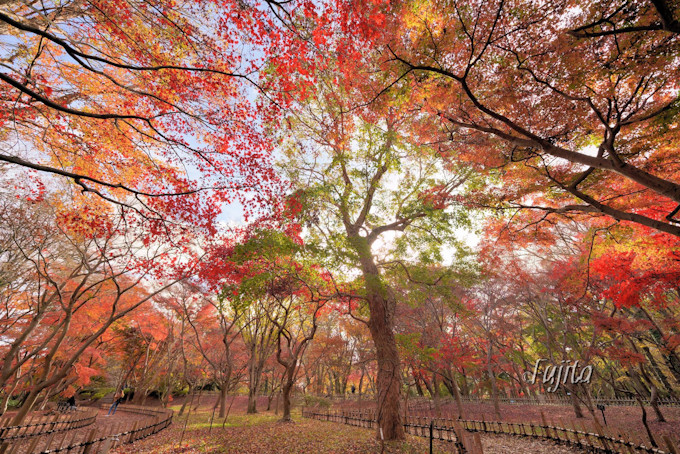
[
  {"x": 104, "y": 449},
  {"x": 431, "y": 433},
  {"x": 133, "y": 432},
  {"x": 670, "y": 444},
  {"x": 89, "y": 439},
  {"x": 34, "y": 443}
]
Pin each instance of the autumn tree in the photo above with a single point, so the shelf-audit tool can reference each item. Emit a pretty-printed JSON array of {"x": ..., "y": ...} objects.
[
  {"x": 430, "y": 320},
  {"x": 571, "y": 108},
  {"x": 213, "y": 330},
  {"x": 329, "y": 360},
  {"x": 296, "y": 293},
  {"x": 142, "y": 104},
  {"x": 361, "y": 179},
  {"x": 142, "y": 352},
  {"x": 80, "y": 275}
]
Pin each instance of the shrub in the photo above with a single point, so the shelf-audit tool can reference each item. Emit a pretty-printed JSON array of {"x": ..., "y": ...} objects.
[{"x": 315, "y": 401}]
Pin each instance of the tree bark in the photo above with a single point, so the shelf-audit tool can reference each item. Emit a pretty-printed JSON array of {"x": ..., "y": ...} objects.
[
  {"x": 644, "y": 420},
  {"x": 494, "y": 386},
  {"x": 285, "y": 393},
  {"x": 578, "y": 412},
  {"x": 389, "y": 380},
  {"x": 8, "y": 396},
  {"x": 435, "y": 395},
  {"x": 657, "y": 370},
  {"x": 223, "y": 400},
  {"x": 26, "y": 407},
  {"x": 464, "y": 389},
  {"x": 252, "y": 401},
  {"x": 456, "y": 393},
  {"x": 361, "y": 382},
  {"x": 654, "y": 402},
  {"x": 382, "y": 307}
]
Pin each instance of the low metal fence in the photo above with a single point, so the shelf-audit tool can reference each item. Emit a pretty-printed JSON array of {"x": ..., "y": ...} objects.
[
  {"x": 421, "y": 427},
  {"x": 424, "y": 402},
  {"x": 97, "y": 440},
  {"x": 461, "y": 432},
  {"x": 36, "y": 426}
]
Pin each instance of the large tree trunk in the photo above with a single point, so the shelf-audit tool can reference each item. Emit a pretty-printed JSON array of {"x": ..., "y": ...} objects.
[
  {"x": 285, "y": 393},
  {"x": 389, "y": 380},
  {"x": 382, "y": 307}
]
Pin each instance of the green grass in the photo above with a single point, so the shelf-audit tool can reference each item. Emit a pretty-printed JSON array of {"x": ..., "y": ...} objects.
[{"x": 202, "y": 420}]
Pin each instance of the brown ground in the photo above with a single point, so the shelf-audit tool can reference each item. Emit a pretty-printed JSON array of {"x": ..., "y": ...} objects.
[{"x": 262, "y": 433}]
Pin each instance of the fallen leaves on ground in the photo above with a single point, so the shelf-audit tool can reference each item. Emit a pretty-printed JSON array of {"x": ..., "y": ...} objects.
[{"x": 264, "y": 433}]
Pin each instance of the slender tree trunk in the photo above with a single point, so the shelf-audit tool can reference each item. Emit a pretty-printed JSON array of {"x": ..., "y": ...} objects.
[
  {"x": 318, "y": 385},
  {"x": 578, "y": 412},
  {"x": 464, "y": 389},
  {"x": 456, "y": 394},
  {"x": 428, "y": 385},
  {"x": 657, "y": 370},
  {"x": 287, "y": 382},
  {"x": 285, "y": 394},
  {"x": 419, "y": 388},
  {"x": 371, "y": 385},
  {"x": 198, "y": 401},
  {"x": 44, "y": 401},
  {"x": 406, "y": 395},
  {"x": 270, "y": 398},
  {"x": 361, "y": 382},
  {"x": 186, "y": 402},
  {"x": 435, "y": 395},
  {"x": 654, "y": 402},
  {"x": 8, "y": 396},
  {"x": 223, "y": 400},
  {"x": 644, "y": 420},
  {"x": 253, "y": 385},
  {"x": 252, "y": 402},
  {"x": 494, "y": 386},
  {"x": 587, "y": 399},
  {"x": 25, "y": 408}
]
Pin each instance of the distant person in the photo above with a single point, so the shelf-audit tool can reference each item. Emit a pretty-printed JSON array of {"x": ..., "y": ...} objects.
[
  {"x": 353, "y": 389},
  {"x": 71, "y": 402},
  {"x": 117, "y": 399}
]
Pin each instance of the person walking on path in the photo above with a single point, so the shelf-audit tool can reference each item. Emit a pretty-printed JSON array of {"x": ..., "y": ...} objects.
[{"x": 117, "y": 398}]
